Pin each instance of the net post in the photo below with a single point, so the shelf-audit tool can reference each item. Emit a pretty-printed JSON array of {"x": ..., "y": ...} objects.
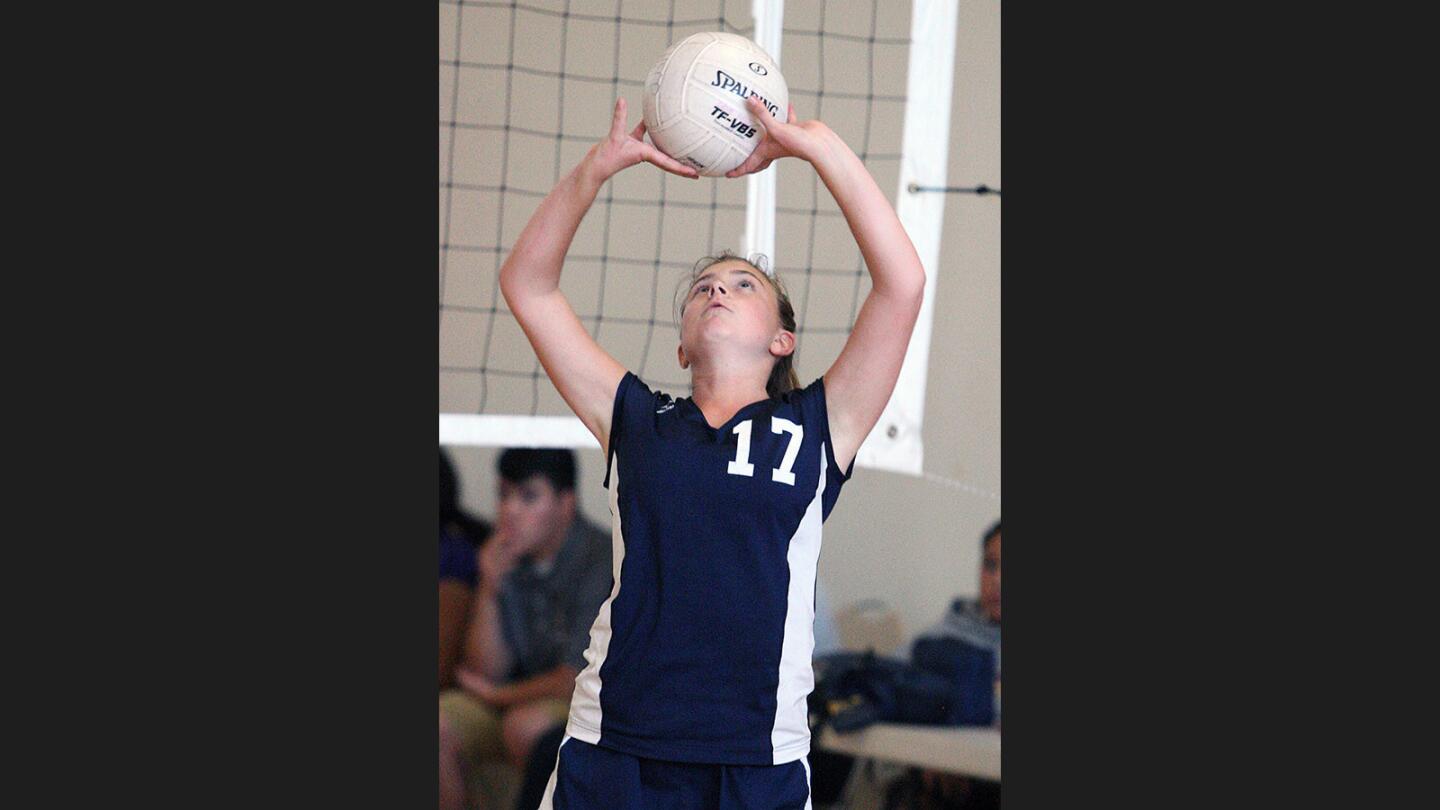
[
  {"x": 894, "y": 443},
  {"x": 760, "y": 188}
]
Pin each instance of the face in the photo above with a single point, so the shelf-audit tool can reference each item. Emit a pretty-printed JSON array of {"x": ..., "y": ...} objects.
[
  {"x": 732, "y": 305},
  {"x": 990, "y": 579},
  {"x": 531, "y": 513}
]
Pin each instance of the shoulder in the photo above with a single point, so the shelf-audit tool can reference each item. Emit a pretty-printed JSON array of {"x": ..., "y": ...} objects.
[
  {"x": 593, "y": 534},
  {"x": 595, "y": 551},
  {"x": 465, "y": 528},
  {"x": 457, "y": 558},
  {"x": 454, "y": 541},
  {"x": 815, "y": 390},
  {"x": 594, "y": 540},
  {"x": 636, "y": 400},
  {"x": 963, "y": 605},
  {"x": 808, "y": 406},
  {"x": 807, "y": 400},
  {"x": 632, "y": 387},
  {"x": 954, "y": 614}
]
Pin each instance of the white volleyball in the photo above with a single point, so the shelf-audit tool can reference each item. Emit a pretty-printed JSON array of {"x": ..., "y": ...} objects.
[{"x": 694, "y": 105}]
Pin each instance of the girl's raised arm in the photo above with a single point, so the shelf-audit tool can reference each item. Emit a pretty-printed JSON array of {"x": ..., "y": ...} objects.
[
  {"x": 585, "y": 374},
  {"x": 860, "y": 382}
]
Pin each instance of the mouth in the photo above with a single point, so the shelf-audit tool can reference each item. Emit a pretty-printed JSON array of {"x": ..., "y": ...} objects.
[{"x": 717, "y": 304}]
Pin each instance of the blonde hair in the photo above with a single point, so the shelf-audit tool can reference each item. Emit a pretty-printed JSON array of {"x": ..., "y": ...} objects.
[{"x": 782, "y": 375}]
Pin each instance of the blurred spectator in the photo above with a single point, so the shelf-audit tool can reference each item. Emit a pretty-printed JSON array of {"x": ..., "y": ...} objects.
[
  {"x": 542, "y": 577},
  {"x": 460, "y": 536},
  {"x": 976, "y": 623}
]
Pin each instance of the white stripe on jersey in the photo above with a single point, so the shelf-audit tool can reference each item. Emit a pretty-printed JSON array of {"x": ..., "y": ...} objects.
[
  {"x": 790, "y": 737},
  {"x": 585, "y": 701},
  {"x": 808, "y": 792}
]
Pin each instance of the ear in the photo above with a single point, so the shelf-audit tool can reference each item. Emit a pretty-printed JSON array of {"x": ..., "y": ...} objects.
[
  {"x": 783, "y": 344},
  {"x": 680, "y": 353}
]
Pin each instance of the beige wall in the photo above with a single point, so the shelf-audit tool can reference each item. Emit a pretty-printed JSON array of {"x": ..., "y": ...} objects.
[{"x": 910, "y": 541}]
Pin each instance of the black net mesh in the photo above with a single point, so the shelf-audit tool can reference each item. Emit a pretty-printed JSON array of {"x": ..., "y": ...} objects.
[{"x": 527, "y": 88}]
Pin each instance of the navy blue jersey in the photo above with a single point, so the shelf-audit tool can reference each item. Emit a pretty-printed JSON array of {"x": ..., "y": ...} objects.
[{"x": 702, "y": 651}]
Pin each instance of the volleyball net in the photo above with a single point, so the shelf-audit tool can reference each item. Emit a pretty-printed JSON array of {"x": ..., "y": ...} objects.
[{"x": 526, "y": 88}]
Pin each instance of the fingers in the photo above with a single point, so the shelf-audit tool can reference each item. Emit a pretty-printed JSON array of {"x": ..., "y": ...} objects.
[
  {"x": 639, "y": 131},
  {"x": 617, "y": 123},
  {"x": 754, "y": 163},
  {"x": 792, "y": 119},
  {"x": 762, "y": 115},
  {"x": 669, "y": 164},
  {"x": 760, "y": 109},
  {"x": 771, "y": 127}
]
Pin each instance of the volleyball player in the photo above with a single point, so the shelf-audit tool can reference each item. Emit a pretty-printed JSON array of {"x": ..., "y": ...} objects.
[{"x": 699, "y": 660}]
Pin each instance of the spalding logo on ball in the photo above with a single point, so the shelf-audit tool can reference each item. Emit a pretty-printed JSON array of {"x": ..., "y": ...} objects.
[{"x": 694, "y": 106}]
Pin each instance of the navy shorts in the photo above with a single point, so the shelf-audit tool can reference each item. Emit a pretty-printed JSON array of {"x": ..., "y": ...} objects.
[{"x": 588, "y": 777}]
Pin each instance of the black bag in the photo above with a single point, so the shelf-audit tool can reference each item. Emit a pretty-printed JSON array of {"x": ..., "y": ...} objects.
[
  {"x": 854, "y": 690},
  {"x": 970, "y": 672}
]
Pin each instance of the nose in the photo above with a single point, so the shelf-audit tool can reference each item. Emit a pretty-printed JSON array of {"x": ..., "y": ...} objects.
[{"x": 717, "y": 287}]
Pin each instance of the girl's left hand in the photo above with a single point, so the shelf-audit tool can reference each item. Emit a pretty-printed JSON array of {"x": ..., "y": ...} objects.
[{"x": 792, "y": 138}]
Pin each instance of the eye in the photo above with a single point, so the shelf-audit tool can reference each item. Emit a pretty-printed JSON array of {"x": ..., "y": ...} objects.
[{"x": 745, "y": 282}]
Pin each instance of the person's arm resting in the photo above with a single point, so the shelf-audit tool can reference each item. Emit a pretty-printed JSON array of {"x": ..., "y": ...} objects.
[
  {"x": 485, "y": 647},
  {"x": 556, "y": 683}
]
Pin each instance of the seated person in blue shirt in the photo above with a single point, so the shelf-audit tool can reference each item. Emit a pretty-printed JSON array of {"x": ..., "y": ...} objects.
[
  {"x": 460, "y": 536},
  {"x": 975, "y": 622},
  {"x": 542, "y": 577}
]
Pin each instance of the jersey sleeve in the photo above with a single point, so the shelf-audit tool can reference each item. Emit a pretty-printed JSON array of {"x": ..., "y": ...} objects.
[
  {"x": 635, "y": 407},
  {"x": 811, "y": 399}
]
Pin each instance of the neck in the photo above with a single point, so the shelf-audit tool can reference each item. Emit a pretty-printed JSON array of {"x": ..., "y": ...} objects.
[{"x": 721, "y": 389}]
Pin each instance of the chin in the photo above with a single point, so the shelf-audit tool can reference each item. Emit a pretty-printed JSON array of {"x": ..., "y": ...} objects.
[{"x": 705, "y": 337}]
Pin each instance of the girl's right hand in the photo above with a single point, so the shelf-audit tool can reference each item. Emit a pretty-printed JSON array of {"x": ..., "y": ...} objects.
[
  {"x": 621, "y": 150},
  {"x": 495, "y": 559}
]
